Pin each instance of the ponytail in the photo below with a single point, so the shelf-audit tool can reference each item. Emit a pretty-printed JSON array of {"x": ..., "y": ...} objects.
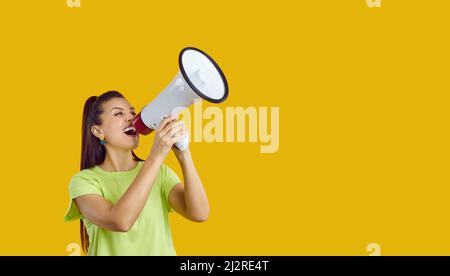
[{"x": 92, "y": 152}]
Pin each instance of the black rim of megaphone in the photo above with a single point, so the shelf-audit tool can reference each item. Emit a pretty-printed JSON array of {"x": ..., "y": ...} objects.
[{"x": 185, "y": 76}]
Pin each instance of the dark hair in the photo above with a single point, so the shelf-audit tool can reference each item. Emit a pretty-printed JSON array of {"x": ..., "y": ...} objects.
[{"x": 92, "y": 152}]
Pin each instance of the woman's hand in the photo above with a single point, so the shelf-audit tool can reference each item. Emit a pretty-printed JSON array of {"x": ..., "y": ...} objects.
[
  {"x": 181, "y": 153},
  {"x": 170, "y": 131}
]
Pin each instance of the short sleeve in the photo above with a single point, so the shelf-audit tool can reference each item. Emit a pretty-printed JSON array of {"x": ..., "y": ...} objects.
[
  {"x": 168, "y": 180},
  {"x": 80, "y": 185}
]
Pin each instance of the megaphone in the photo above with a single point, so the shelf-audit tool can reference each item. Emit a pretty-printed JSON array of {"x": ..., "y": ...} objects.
[{"x": 199, "y": 78}]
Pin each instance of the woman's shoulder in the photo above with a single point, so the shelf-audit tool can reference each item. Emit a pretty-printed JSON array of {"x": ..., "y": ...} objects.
[
  {"x": 84, "y": 182},
  {"x": 86, "y": 175}
]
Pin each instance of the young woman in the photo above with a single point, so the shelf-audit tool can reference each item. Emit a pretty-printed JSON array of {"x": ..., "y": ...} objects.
[{"x": 122, "y": 201}]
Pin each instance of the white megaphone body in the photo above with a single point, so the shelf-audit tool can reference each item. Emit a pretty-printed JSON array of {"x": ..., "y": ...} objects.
[{"x": 199, "y": 78}]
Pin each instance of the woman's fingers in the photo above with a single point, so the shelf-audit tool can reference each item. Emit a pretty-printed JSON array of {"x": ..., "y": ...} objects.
[
  {"x": 178, "y": 136},
  {"x": 170, "y": 131},
  {"x": 171, "y": 128},
  {"x": 178, "y": 128},
  {"x": 164, "y": 123}
]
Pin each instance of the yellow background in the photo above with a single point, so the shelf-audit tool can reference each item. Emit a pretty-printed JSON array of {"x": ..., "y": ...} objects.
[{"x": 364, "y": 134}]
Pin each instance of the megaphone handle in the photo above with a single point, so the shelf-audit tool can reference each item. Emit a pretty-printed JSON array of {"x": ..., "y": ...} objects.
[{"x": 183, "y": 143}]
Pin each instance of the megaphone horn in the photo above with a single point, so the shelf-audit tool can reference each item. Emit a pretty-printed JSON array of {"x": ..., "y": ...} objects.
[{"x": 199, "y": 78}]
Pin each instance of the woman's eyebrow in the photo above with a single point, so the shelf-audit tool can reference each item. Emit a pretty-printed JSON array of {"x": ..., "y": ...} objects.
[{"x": 116, "y": 107}]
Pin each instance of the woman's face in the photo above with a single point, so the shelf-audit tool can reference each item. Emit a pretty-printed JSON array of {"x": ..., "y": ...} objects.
[{"x": 116, "y": 127}]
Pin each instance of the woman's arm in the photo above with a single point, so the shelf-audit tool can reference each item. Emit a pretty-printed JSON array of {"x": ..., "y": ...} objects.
[
  {"x": 121, "y": 216},
  {"x": 190, "y": 201}
]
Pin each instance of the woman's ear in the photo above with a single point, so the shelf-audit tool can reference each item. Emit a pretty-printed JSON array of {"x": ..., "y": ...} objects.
[{"x": 97, "y": 132}]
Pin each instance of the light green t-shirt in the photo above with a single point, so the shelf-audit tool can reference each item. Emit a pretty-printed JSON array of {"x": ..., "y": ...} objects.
[{"x": 151, "y": 233}]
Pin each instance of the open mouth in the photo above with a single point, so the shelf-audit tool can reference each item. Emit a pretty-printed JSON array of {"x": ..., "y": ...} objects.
[{"x": 130, "y": 131}]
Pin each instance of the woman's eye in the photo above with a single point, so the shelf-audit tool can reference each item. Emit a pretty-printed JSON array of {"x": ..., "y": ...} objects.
[
  {"x": 119, "y": 113},
  {"x": 133, "y": 113}
]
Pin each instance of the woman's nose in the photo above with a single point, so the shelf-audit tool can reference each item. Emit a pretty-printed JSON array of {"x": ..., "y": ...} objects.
[{"x": 130, "y": 118}]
